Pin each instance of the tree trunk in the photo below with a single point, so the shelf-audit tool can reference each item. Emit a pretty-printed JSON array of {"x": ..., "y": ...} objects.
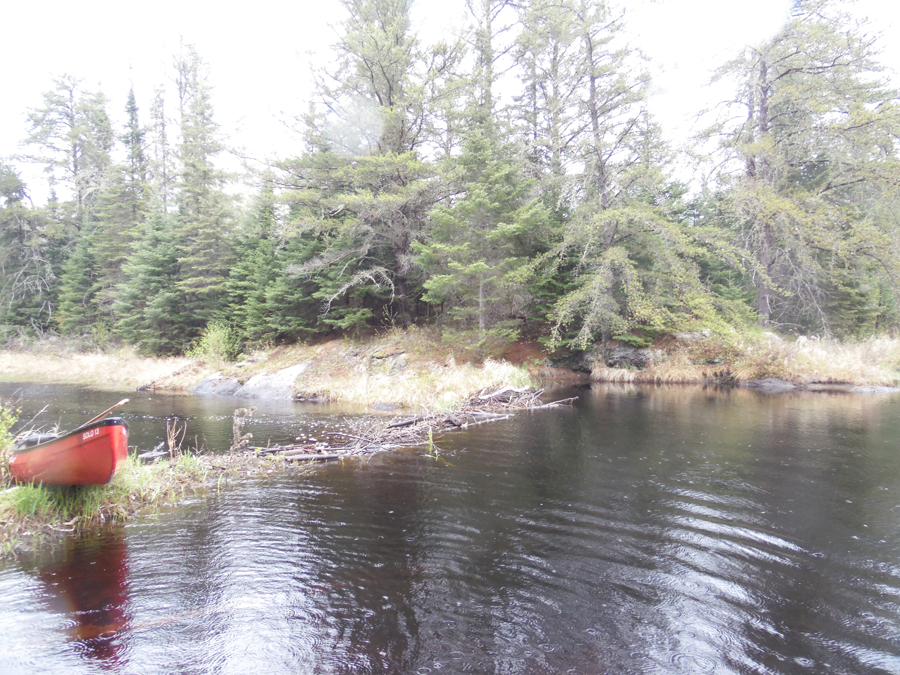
[
  {"x": 763, "y": 287},
  {"x": 481, "y": 305}
]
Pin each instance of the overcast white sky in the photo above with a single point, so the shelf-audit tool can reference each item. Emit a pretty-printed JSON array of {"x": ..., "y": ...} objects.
[{"x": 260, "y": 53}]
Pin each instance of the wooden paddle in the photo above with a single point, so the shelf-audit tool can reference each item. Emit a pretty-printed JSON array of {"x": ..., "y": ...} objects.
[{"x": 105, "y": 412}]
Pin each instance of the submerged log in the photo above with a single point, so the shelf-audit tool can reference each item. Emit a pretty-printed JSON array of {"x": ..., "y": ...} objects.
[{"x": 313, "y": 457}]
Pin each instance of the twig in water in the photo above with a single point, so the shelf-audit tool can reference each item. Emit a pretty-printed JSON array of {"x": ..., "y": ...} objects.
[
  {"x": 172, "y": 439},
  {"x": 238, "y": 441}
]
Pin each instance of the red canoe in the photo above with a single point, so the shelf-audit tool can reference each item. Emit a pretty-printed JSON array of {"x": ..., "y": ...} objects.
[{"x": 87, "y": 456}]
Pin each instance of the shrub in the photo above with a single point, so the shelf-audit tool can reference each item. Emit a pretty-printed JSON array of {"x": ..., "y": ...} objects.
[{"x": 219, "y": 342}]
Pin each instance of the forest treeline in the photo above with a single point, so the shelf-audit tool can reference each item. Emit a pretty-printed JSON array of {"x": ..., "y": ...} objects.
[{"x": 428, "y": 193}]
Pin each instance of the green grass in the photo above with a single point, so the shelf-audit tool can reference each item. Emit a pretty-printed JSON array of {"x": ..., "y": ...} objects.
[{"x": 29, "y": 511}]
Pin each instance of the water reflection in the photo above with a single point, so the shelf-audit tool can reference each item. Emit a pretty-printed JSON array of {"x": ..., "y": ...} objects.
[{"x": 89, "y": 586}]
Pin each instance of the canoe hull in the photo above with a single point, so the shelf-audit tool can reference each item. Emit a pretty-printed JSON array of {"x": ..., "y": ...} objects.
[{"x": 88, "y": 455}]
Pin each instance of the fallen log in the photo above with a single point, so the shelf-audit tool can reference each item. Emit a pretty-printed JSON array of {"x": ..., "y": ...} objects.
[
  {"x": 313, "y": 457},
  {"x": 486, "y": 421},
  {"x": 405, "y": 423},
  {"x": 558, "y": 404},
  {"x": 418, "y": 431},
  {"x": 487, "y": 415}
]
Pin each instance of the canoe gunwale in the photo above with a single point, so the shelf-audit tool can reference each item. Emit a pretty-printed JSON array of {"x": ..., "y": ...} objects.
[{"x": 107, "y": 422}]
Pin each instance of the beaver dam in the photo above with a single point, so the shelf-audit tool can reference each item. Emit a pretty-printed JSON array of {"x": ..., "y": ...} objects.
[{"x": 416, "y": 431}]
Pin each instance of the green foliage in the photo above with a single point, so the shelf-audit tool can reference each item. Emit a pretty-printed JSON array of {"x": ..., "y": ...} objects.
[
  {"x": 31, "y": 248},
  {"x": 359, "y": 217},
  {"x": 481, "y": 239},
  {"x": 218, "y": 342},
  {"x": 424, "y": 197},
  {"x": 634, "y": 340},
  {"x": 8, "y": 417},
  {"x": 149, "y": 305},
  {"x": 812, "y": 171},
  {"x": 71, "y": 136},
  {"x": 204, "y": 217},
  {"x": 32, "y": 500}
]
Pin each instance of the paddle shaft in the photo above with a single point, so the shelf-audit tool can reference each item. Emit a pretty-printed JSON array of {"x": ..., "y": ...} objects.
[{"x": 106, "y": 412}]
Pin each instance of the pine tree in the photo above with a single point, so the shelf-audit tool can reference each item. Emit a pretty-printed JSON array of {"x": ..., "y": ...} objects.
[
  {"x": 28, "y": 261},
  {"x": 72, "y": 137}
]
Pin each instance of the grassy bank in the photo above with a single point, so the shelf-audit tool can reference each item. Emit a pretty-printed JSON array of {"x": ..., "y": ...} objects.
[
  {"x": 802, "y": 361},
  {"x": 422, "y": 367},
  {"x": 413, "y": 368},
  {"x": 32, "y": 515}
]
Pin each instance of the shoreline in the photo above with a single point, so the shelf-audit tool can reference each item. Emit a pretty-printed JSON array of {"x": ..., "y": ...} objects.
[
  {"x": 34, "y": 516},
  {"x": 415, "y": 368},
  {"x": 411, "y": 373}
]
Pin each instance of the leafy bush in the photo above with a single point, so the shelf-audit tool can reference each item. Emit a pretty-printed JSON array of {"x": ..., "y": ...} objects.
[{"x": 219, "y": 342}]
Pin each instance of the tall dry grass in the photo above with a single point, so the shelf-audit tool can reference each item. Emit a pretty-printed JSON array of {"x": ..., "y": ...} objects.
[
  {"x": 122, "y": 368},
  {"x": 875, "y": 361},
  {"x": 442, "y": 385}
]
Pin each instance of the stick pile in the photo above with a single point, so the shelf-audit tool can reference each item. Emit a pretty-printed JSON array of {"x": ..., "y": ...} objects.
[{"x": 483, "y": 408}]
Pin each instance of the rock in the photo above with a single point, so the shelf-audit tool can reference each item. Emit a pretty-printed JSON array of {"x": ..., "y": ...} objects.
[
  {"x": 274, "y": 386},
  {"x": 580, "y": 362},
  {"x": 694, "y": 336},
  {"x": 216, "y": 385},
  {"x": 873, "y": 389},
  {"x": 385, "y": 407},
  {"x": 769, "y": 385},
  {"x": 633, "y": 357},
  {"x": 387, "y": 362}
]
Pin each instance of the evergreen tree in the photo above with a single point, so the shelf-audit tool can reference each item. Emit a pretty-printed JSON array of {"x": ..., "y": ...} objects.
[
  {"x": 266, "y": 301},
  {"x": 150, "y": 306},
  {"x": 810, "y": 145},
  {"x": 72, "y": 137},
  {"x": 630, "y": 262},
  {"x": 27, "y": 258},
  {"x": 490, "y": 228},
  {"x": 493, "y": 220},
  {"x": 159, "y": 155},
  {"x": 363, "y": 189},
  {"x": 205, "y": 214},
  {"x": 94, "y": 271}
]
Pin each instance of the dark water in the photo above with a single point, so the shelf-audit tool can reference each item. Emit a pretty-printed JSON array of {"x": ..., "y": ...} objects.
[{"x": 644, "y": 531}]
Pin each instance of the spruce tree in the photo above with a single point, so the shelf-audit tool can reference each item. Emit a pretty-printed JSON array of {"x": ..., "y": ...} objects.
[
  {"x": 364, "y": 188},
  {"x": 205, "y": 216},
  {"x": 94, "y": 271},
  {"x": 150, "y": 307}
]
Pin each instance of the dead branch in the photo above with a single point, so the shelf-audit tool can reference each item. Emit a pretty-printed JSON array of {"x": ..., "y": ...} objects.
[{"x": 483, "y": 408}]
